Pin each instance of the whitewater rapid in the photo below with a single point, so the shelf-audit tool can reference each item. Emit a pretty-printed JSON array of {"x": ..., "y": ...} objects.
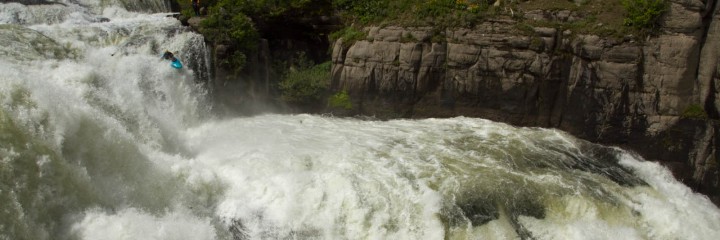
[{"x": 101, "y": 139}]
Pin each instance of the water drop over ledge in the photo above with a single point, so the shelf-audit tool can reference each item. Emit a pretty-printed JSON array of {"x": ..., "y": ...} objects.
[{"x": 101, "y": 139}]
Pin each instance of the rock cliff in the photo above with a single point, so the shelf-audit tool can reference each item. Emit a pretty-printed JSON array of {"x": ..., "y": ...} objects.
[{"x": 657, "y": 96}]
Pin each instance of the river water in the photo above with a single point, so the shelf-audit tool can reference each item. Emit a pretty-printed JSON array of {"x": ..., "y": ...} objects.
[{"x": 101, "y": 139}]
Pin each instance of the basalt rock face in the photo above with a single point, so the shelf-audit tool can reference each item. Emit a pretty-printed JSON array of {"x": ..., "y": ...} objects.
[{"x": 625, "y": 92}]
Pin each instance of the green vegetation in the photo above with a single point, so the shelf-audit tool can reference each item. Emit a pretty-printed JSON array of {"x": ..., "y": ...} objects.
[
  {"x": 365, "y": 11},
  {"x": 349, "y": 35},
  {"x": 240, "y": 24},
  {"x": 186, "y": 8},
  {"x": 609, "y": 18},
  {"x": 615, "y": 18},
  {"x": 227, "y": 24},
  {"x": 306, "y": 84},
  {"x": 643, "y": 14},
  {"x": 408, "y": 37},
  {"x": 340, "y": 100},
  {"x": 439, "y": 13},
  {"x": 694, "y": 111},
  {"x": 600, "y": 17}
]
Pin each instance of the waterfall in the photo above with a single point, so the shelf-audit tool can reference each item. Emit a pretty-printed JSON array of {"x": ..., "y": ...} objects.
[
  {"x": 90, "y": 111},
  {"x": 101, "y": 139}
]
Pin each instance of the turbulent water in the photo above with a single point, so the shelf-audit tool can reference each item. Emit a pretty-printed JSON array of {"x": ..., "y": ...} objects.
[{"x": 101, "y": 139}]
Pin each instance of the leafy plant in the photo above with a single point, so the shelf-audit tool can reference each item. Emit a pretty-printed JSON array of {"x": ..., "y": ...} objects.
[
  {"x": 365, "y": 11},
  {"x": 438, "y": 36},
  {"x": 306, "y": 85},
  {"x": 226, "y": 24},
  {"x": 408, "y": 37},
  {"x": 694, "y": 111},
  {"x": 238, "y": 24},
  {"x": 413, "y": 12},
  {"x": 340, "y": 100},
  {"x": 349, "y": 35},
  {"x": 643, "y": 14},
  {"x": 434, "y": 8}
]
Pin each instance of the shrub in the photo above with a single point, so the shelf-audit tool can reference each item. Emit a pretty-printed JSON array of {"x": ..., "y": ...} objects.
[
  {"x": 340, "y": 100},
  {"x": 238, "y": 23},
  {"x": 349, "y": 35},
  {"x": 413, "y": 12},
  {"x": 643, "y": 14},
  {"x": 408, "y": 37},
  {"x": 365, "y": 11},
  {"x": 306, "y": 85},
  {"x": 436, "y": 8},
  {"x": 226, "y": 25},
  {"x": 694, "y": 111}
]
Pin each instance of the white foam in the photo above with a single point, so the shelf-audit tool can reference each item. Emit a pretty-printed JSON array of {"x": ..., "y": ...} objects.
[
  {"x": 135, "y": 224},
  {"x": 285, "y": 174},
  {"x": 671, "y": 209},
  {"x": 292, "y": 174},
  {"x": 576, "y": 217}
]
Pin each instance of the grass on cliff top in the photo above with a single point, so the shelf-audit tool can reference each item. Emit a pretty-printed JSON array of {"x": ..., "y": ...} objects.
[
  {"x": 410, "y": 13},
  {"x": 609, "y": 12},
  {"x": 601, "y": 17}
]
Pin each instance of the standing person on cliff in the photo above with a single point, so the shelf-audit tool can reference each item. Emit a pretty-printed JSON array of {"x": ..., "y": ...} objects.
[{"x": 196, "y": 6}]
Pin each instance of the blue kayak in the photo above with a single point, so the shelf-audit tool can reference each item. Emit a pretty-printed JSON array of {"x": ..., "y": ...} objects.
[{"x": 176, "y": 64}]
